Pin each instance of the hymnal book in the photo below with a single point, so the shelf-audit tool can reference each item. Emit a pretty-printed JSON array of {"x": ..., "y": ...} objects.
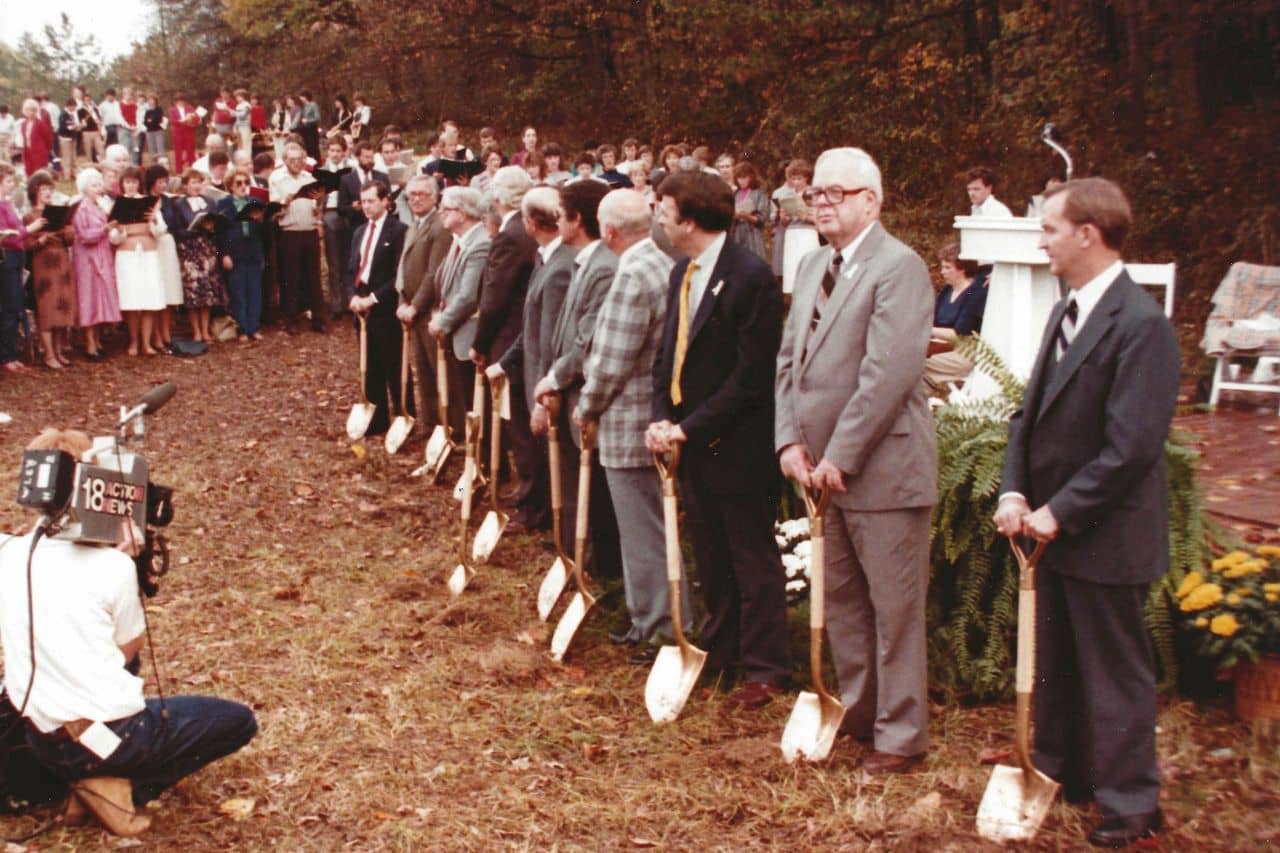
[
  {"x": 208, "y": 220},
  {"x": 455, "y": 169},
  {"x": 130, "y": 210},
  {"x": 330, "y": 180},
  {"x": 58, "y": 216}
]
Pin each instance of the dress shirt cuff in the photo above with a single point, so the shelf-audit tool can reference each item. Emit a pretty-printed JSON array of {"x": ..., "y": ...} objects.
[{"x": 1018, "y": 495}]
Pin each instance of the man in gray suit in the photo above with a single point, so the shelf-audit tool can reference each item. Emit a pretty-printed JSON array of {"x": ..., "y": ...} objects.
[
  {"x": 454, "y": 319},
  {"x": 425, "y": 247},
  {"x": 618, "y": 396},
  {"x": 529, "y": 356},
  {"x": 852, "y": 418},
  {"x": 1085, "y": 471},
  {"x": 594, "y": 267}
]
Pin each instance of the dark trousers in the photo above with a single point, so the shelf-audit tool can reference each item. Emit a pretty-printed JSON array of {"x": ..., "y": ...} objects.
[
  {"x": 271, "y": 277},
  {"x": 155, "y": 753},
  {"x": 337, "y": 251},
  {"x": 382, "y": 376},
  {"x": 461, "y": 376},
  {"x": 533, "y": 502},
  {"x": 11, "y": 303},
  {"x": 743, "y": 582},
  {"x": 300, "y": 284},
  {"x": 244, "y": 284},
  {"x": 1095, "y": 699}
]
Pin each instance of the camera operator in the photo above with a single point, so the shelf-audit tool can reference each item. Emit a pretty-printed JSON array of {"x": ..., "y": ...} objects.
[{"x": 86, "y": 717}]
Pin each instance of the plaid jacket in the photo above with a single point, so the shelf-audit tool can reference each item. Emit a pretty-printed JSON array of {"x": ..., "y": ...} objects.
[{"x": 619, "y": 370}]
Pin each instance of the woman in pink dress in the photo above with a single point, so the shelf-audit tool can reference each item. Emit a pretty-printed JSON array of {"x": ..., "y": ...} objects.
[{"x": 95, "y": 263}]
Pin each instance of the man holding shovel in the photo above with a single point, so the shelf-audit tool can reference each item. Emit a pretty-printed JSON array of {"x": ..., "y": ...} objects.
[{"x": 1086, "y": 451}]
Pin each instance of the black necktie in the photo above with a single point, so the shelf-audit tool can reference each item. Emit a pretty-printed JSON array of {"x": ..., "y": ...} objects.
[{"x": 1066, "y": 329}]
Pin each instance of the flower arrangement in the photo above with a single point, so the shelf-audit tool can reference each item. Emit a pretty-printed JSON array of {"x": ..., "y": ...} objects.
[
  {"x": 792, "y": 537},
  {"x": 1232, "y": 608}
]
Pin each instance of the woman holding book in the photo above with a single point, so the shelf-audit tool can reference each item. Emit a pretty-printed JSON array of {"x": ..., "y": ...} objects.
[
  {"x": 197, "y": 235},
  {"x": 138, "y": 278},
  {"x": 97, "y": 301},
  {"x": 242, "y": 256},
  {"x": 51, "y": 274}
]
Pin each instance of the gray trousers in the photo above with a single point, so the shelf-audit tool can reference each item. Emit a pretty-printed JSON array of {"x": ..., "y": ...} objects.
[
  {"x": 637, "y": 502},
  {"x": 877, "y": 577}
]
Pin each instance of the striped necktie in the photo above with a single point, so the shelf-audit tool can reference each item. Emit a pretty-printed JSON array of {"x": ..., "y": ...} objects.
[
  {"x": 1066, "y": 329},
  {"x": 828, "y": 285},
  {"x": 682, "y": 334}
]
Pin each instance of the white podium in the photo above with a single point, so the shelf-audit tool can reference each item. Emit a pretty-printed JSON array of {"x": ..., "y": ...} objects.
[{"x": 1021, "y": 292}]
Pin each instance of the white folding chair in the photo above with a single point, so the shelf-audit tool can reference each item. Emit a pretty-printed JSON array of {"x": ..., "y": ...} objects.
[
  {"x": 1245, "y": 359},
  {"x": 1156, "y": 276}
]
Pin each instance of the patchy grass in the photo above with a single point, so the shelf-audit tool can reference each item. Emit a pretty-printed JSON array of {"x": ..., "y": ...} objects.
[{"x": 309, "y": 583}]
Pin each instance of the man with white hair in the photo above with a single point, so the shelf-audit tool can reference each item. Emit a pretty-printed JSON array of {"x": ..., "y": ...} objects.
[
  {"x": 502, "y": 290},
  {"x": 618, "y": 397},
  {"x": 454, "y": 318},
  {"x": 213, "y": 142},
  {"x": 852, "y": 420}
]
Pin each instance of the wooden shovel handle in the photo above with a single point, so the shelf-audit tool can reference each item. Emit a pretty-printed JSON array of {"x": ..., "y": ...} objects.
[
  {"x": 364, "y": 355},
  {"x": 442, "y": 383},
  {"x": 404, "y": 369},
  {"x": 815, "y": 504},
  {"x": 495, "y": 435}
]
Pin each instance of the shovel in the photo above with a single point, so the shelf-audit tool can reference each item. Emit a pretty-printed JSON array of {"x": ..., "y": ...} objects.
[
  {"x": 362, "y": 412},
  {"x": 477, "y": 479},
  {"x": 582, "y": 600},
  {"x": 1018, "y": 798},
  {"x": 556, "y": 577},
  {"x": 403, "y": 424},
  {"x": 495, "y": 520},
  {"x": 441, "y": 442},
  {"x": 464, "y": 571},
  {"x": 676, "y": 668},
  {"x": 811, "y": 729}
]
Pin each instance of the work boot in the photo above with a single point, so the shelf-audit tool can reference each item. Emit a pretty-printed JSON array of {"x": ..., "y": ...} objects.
[{"x": 110, "y": 798}]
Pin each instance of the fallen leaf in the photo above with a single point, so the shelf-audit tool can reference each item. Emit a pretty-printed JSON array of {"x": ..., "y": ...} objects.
[
  {"x": 636, "y": 841},
  {"x": 994, "y": 756},
  {"x": 238, "y": 808},
  {"x": 358, "y": 450},
  {"x": 302, "y": 490}
]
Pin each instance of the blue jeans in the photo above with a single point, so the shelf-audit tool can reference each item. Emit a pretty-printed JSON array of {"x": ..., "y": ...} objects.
[
  {"x": 11, "y": 304},
  {"x": 245, "y": 284},
  {"x": 155, "y": 754}
]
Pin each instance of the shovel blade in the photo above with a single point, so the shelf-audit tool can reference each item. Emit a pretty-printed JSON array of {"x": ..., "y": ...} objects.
[
  {"x": 399, "y": 431},
  {"x": 570, "y": 621},
  {"x": 812, "y": 727},
  {"x": 437, "y": 446},
  {"x": 674, "y": 674},
  {"x": 1015, "y": 804},
  {"x": 462, "y": 575},
  {"x": 488, "y": 535},
  {"x": 359, "y": 419},
  {"x": 552, "y": 585}
]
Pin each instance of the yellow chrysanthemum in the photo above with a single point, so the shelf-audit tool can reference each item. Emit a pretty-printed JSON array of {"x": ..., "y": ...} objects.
[
  {"x": 1205, "y": 595},
  {"x": 1269, "y": 550},
  {"x": 1224, "y": 625},
  {"x": 1233, "y": 599},
  {"x": 1271, "y": 587},
  {"x": 1189, "y": 583},
  {"x": 1243, "y": 591},
  {"x": 1273, "y": 596},
  {"x": 1226, "y": 561},
  {"x": 1248, "y": 567},
  {"x": 1202, "y": 622}
]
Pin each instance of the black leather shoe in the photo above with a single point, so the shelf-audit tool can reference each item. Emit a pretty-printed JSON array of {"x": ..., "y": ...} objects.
[
  {"x": 644, "y": 655},
  {"x": 1116, "y": 832},
  {"x": 623, "y": 638}
]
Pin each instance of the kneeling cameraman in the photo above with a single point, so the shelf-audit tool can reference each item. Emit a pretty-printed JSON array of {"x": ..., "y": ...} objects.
[{"x": 86, "y": 717}]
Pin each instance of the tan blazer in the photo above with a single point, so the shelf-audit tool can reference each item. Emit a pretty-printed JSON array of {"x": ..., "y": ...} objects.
[
  {"x": 851, "y": 390},
  {"x": 424, "y": 250}
]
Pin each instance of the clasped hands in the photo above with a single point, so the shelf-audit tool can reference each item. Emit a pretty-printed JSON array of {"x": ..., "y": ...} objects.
[
  {"x": 661, "y": 435},
  {"x": 797, "y": 464},
  {"x": 1014, "y": 517},
  {"x": 362, "y": 304}
]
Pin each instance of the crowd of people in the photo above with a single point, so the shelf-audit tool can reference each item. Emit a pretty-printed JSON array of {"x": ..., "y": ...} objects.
[{"x": 632, "y": 302}]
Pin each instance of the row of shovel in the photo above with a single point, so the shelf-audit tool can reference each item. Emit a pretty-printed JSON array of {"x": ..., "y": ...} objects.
[{"x": 1016, "y": 800}]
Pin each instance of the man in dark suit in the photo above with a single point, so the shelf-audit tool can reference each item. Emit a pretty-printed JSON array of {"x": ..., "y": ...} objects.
[
  {"x": 1086, "y": 450},
  {"x": 375, "y": 256},
  {"x": 426, "y": 245},
  {"x": 351, "y": 210},
  {"x": 713, "y": 395},
  {"x": 502, "y": 292},
  {"x": 593, "y": 270},
  {"x": 530, "y": 354}
]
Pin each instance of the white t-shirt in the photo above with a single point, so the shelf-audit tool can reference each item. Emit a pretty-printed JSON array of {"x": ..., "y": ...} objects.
[{"x": 85, "y": 603}]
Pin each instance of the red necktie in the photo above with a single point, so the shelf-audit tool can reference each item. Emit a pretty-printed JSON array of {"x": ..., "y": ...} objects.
[{"x": 366, "y": 255}]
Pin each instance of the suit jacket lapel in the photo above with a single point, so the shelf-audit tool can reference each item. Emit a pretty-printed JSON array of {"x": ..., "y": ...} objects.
[
  {"x": 715, "y": 283},
  {"x": 1096, "y": 326},
  {"x": 846, "y": 285}
]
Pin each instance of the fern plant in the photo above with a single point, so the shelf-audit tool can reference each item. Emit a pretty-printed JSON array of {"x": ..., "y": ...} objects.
[{"x": 972, "y": 605}]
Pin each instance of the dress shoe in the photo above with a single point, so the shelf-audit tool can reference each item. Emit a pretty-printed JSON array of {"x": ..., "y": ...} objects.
[
  {"x": 879, "y": 763},
  {"x": 110, "y": 798},
  {"x": 643, "y": 655},
  {"x": 1116, "y": 832},
  {"x": 753, "y": 695}
]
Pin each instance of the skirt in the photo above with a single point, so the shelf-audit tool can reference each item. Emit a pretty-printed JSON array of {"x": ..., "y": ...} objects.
[
  {"x": 202, "y": 285},
  {"x": 55, "y": 287},
  {"x": 170, "y": 269},
  {"x": 138, "y": 280}
]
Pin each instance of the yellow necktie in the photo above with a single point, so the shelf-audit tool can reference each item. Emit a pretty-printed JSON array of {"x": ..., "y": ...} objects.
[{"x": 682, "y": 334}]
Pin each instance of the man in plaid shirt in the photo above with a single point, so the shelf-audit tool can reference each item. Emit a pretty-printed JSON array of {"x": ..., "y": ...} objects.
[{"x": 618, "y": 395}]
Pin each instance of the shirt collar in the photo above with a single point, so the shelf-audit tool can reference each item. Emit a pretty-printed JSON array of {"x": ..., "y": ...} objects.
[
  {"x": 847, "y": 253},
  {"x": 1087, "y": 297},
  {"x": 548, "y": 250},
  {"x": 630, "y": 250},
  {"x": 506, "y": 217},
  {"x": 584, "y": 254},
  {"x": 466, "y": 236},
  {"x": 706, "y": 261}
]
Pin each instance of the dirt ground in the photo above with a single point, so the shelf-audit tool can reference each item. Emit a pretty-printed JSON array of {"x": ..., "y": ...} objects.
[{"x": 309, "y": 582}]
